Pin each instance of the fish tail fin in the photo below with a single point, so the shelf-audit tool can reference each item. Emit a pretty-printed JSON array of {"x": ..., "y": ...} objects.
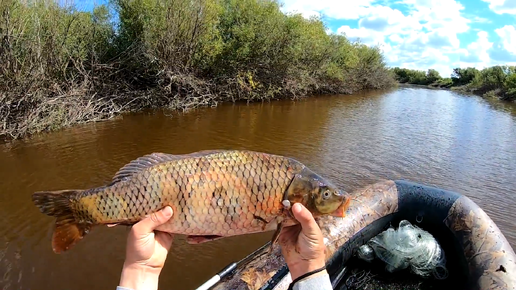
[{"x": 67, "y": 231}]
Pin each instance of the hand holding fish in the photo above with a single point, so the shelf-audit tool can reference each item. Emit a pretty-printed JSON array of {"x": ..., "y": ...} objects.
[
  {"x": 214, "y": 194},
  {"x": 302, "y": 245},
  {"x": 146, "y": 252}
]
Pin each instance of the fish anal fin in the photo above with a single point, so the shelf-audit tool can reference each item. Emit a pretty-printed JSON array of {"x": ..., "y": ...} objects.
[
  {"x": 276, "y": 236},
  {"x": 67, "y": 233},
  {"x": 193, "y": 240}
]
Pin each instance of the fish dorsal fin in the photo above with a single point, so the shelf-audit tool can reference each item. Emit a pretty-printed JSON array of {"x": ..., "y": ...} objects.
[
  {"x": 150, "y": 160},
  {"x": 142, "y": 163}
]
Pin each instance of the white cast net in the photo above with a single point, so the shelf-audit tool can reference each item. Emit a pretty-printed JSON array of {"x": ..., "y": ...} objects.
[{"x": 407, "y": 247}]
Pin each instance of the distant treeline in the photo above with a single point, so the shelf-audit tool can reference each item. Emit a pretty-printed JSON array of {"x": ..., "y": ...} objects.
[
  {"x": 496, "y": 81},
  {"x": 60, "y": 66}
]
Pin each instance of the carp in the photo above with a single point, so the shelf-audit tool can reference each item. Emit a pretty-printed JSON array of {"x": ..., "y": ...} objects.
[{"x": 213, "y": 194}]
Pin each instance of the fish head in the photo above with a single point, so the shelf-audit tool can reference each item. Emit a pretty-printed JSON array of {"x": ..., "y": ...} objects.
[
  {"x": 330, "y": 200},
  {"x": 317, "y": 194}
]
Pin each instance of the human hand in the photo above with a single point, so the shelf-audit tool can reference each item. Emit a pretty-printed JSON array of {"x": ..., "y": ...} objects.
[
  {"x": 146, "y": 252},
  {"x": 302, "y": 245}
]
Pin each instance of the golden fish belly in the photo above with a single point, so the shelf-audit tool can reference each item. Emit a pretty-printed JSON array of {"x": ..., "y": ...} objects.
[{"x": 223, "y": 194}]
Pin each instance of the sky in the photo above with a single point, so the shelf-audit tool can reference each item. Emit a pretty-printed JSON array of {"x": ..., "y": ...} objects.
[
  {"x": 418, "y": 34},
  {"x": 424, "y": 34}
]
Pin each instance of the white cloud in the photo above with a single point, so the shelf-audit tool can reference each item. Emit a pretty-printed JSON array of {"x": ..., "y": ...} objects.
[
  {"x": 430, "y": 58},
  {"x": 388, "y": 21},
  {"x": 439, "y": 14},
  {"x": 330, "y": 8},
  {"x": 508, "y": 36},
  {"x": 502, "y": 6},
  {"x": 310, "y": 13},
  {"x": 442, "y": 38},
  {"x": 420, "y": 34},
  {"x": 420, "y": 39},
  {"x": 367, "y": 36},
  {"x": 443, "y": 69},
  {"x": 478, "y": 19},
  {"x": 395, "y": 38},
  {"x": 476, "y": 53},
  {"x": 503, "y": 50}
]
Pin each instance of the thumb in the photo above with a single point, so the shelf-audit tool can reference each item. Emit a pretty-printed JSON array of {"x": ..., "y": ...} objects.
[
  {"x": 148, "y": 224},
  {"x": 308, "y": 225}
]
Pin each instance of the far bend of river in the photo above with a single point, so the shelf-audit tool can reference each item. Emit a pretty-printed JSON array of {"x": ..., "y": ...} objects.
[{"x": 435, "y": 137}]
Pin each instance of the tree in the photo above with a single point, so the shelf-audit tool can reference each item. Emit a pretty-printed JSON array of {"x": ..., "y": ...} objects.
[{"x": 432, "y": 76}]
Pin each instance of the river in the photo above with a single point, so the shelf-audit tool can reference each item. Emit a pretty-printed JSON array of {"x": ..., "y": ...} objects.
[{"x": 436, "y": 137}]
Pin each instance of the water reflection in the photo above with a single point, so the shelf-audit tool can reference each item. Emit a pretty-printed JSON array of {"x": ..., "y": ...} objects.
[{"x": 437, "y": 137}]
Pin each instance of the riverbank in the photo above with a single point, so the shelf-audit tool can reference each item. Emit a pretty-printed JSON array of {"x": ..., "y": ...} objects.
[
  {"x": 497, "y": 94},
  {"x": 65, "y": 67},
  {"x": 497, "y": 82}
]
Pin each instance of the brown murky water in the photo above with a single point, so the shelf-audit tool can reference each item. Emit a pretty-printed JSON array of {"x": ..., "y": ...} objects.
[{"x": 430, "y": 136}]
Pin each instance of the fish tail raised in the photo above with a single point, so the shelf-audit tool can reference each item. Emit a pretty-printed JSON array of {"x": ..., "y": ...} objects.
[{"x": 67, "y": 230}]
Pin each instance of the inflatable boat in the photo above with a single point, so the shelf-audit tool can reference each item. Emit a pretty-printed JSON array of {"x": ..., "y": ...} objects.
[{"x": 478, "y": 256}]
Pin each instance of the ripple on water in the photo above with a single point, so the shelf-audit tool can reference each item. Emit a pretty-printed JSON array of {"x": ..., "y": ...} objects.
[{"x": 434, "y": 137}]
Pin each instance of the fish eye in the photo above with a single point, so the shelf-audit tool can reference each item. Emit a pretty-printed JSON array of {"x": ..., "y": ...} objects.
[{"x": 326, "y": 194}]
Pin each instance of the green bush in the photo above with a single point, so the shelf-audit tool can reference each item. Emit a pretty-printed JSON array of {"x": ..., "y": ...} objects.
[
  {"x": 463, "y": 76},
  {"x": 48, "y": 55},
  {"x": 510, "y": 85},
  {"x": 62, "y": 66},
  {"x": 444, "y": 83},
  {"x": 247, "y": 48},
  {"x": 418, "y": 77},
  {"x": 497, "y": 81},
  {"x": 44, "y": 42}
]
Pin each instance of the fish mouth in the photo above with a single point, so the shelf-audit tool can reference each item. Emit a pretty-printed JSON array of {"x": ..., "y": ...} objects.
[{"x": 341, "y": 210}]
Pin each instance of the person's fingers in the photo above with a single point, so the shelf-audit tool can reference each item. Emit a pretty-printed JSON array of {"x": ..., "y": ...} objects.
[
  {"x": 165, "y": 239},
  {"x": 289, "y": 235},
  {"x": 148, "y": 224},
  {"x": 308, "y": 225}
]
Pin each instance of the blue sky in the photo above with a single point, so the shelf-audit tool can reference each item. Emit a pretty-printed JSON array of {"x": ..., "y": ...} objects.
[
  {"x": 423, "y": 34},
  {"x": 87, "y": 5},
  {"x": 418, "y": 34}
]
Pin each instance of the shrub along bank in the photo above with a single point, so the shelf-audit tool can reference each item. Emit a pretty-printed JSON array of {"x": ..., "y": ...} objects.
[
  {"x": 61, "y": 66},
  {"x": 496, "y": 81}
]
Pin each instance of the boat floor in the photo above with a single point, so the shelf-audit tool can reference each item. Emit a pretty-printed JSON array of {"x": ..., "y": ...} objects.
[{"x": 363, "y": 275}]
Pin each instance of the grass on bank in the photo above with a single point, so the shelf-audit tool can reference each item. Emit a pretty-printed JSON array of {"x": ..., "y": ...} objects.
[
  {"x": 60, "y": 66},
  {"x": 496, "y": 81}
]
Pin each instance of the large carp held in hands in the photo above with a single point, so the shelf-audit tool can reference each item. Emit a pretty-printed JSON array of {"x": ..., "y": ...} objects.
[{"x": 213, "y": 194}]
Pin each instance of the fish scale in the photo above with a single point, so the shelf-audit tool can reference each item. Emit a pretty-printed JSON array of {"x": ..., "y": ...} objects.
[{"x": 213, "y": 194}]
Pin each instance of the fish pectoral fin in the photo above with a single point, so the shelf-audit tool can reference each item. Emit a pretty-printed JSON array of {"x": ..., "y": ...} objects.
[
  {"x": 193, "y": 240},
  {"x": 276, "y": 236},
  {"x": 265, "y": 223},
  {"x": 112, "y": 225}
]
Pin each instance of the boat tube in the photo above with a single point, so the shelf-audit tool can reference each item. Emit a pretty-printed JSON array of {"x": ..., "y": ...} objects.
[{"x": 478, "y": 256}]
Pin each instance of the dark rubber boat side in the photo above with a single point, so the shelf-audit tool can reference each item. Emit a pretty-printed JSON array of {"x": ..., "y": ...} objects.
[
  {"x": 486, "y": 257},
  {"x": 478, "y": 254}
]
